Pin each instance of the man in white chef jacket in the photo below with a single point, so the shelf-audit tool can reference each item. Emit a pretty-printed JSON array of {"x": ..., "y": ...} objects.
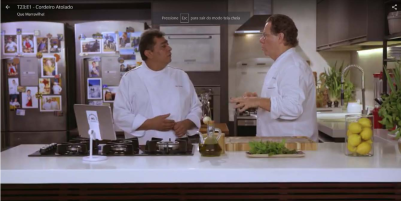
[
  {"x": 287, "y": 104},
  {"x": 156, "y": 100}
]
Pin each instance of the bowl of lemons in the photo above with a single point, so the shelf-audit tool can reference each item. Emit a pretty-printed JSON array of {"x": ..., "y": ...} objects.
[{"x": 359, "y": 138}]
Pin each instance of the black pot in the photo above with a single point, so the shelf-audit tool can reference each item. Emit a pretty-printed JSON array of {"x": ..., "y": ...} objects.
[
  {"x": 336, "y": 103},
  {"x": 329, "y": 103}
]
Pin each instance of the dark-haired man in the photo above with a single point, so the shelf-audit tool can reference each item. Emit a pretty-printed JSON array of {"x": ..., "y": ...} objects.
[
  {"x": 155, "y": 100},
  {"x": 287, "y": 104}
]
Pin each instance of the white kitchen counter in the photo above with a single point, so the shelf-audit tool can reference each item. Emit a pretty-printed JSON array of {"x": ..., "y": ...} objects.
[
  {"x": 334, "y": 129},
  {"x": 327, "y": 164},
  {"x": 332, "y": 124}
]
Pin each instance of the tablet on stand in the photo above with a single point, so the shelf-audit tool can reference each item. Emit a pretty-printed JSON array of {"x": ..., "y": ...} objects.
[{"x": 96, "y": 123}]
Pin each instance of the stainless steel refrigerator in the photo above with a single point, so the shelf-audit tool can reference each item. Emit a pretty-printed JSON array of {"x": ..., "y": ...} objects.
[
  {"x": 105, "y": 50},
  {"x": 34, "y": 83}
]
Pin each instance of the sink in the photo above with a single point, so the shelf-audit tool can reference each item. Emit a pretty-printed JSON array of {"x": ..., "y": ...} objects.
[
  {"x": 333, "y": 117},
  {"x": 332, "y": 120}
]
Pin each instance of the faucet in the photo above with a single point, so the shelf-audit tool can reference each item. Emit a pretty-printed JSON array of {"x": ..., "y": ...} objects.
[{"x": 363, "y": 86}]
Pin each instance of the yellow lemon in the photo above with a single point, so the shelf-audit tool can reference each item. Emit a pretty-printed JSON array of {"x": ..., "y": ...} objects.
[
  {"x": 349, "y": 133},
  {"x": 351, "y": 149},
  {"x": 365, "y": 122},
  {"x": 366, "y": 134},
  {"x": 369, "y": 141},
  {"x": 364, "y": 148},
  {"x": 354, "y": 140},
  {"x": 355, "y": 127}
]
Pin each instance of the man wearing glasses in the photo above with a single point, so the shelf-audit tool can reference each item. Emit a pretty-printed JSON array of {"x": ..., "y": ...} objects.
[{"x": 287, "y": 103}]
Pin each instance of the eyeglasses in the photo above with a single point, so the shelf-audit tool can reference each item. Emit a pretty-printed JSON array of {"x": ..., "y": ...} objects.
[{"x": 264, "y": 35}]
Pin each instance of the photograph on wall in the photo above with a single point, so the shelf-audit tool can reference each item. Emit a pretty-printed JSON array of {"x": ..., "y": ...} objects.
[
  {"x": 124, "y": 39},
  {"x": 10, "y": 45},
  {"x": 127, "y": 66},
  {"x": 91, "y": 46},
  {"x": 21, "y": 89},
  {"x": 50, "y": 103},
  {"x": 49, "y": 67},
  {"x": 28, "y": 44},
  {"x": 123, "y": 68},
  {"x": 14, "y": 102},
  {"x": 44, "y": 86},
  {"x": 42, "y": 44},
  {"x": 93, "y": 68},
  {"x": 135, "y": 38},
  {"x": 13, "y": 86},
  {"x": 109, "y": 93},
  {"x": 94, "y": 88},
  {"x": 56, "y": 86},
  {"x": 55, "y": 45},
  {"x": 12, "y": 68},
  {"x": 96, "y": 102},
  {"x": 127, "y": 54},
  {"x": 109, "y": 42},
  {"x": 29, "y": 99}
]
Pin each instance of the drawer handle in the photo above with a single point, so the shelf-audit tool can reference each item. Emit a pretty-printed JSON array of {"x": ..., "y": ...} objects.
[{"x": 189, "y": 60}]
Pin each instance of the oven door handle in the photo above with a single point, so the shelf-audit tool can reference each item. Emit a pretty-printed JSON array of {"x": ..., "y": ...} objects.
[{"x": 243, "y": 122}]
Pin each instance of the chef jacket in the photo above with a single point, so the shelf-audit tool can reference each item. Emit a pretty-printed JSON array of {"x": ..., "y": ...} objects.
[
  {"x": 144, "y": 93},
  {"x": 290, "y": 85}
]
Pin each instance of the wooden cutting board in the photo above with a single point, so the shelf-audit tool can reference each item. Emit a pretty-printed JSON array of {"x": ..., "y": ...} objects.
[
  {"x": 300, "y": 154},
  {"x": 298, "y": 143}
]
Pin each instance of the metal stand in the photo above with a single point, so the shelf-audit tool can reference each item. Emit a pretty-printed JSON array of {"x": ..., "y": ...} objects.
[{"x": 92, "y": 158}]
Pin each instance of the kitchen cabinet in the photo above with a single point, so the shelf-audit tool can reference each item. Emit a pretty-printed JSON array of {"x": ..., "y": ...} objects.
[
  {"x": 357, "y": 20},
  {"x": 349, "y": 25},
  {"x": 321, "y": 23},
  {"x": 337, "y": 21}
]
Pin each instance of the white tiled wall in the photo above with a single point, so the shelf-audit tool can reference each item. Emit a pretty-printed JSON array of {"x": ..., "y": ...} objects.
[{"x": 371, "y": 62}]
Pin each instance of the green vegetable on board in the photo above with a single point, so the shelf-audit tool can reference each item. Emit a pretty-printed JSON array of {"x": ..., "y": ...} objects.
[{"x": 271, "y": 148}]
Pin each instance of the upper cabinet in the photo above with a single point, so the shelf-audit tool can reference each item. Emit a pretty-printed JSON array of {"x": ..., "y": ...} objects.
[{"x": 349, "y": 25}]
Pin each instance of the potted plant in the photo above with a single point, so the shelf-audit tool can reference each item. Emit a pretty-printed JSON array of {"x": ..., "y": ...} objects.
[
  {"x": 390, "y": 110},
  {"x": 321, "y": 92},
  {"x": 332, "y": 80}
]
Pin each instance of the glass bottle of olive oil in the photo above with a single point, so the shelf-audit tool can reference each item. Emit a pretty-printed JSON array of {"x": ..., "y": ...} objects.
[{"x": 210, "y": 146}]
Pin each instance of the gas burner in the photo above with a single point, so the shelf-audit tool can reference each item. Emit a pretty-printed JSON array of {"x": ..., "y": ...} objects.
[
  {"x": 120, "y": 147},
  {"x": 248, "y": 112},
  {"x": 121, "y": 142},
  {"x": 158, "y": 147},
  {"x": 79, "y": 140},
  {"x": 72, "y": 149}
]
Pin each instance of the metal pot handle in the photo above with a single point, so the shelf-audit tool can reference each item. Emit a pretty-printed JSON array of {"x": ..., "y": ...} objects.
[{"x": 201, "y": 140}]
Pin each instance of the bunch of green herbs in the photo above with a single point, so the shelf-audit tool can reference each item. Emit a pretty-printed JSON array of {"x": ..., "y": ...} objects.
[{"x": 271, "y": 148}]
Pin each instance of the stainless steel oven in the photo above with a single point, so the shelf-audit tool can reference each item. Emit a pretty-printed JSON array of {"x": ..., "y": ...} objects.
[{"x": 245, "y": 123}]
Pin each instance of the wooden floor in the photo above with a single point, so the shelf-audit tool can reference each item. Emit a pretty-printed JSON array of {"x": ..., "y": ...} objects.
[{"x": 221, "y": 191}]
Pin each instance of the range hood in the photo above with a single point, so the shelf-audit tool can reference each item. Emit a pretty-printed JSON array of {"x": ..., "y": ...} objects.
[{"x": 262, "y": 9}]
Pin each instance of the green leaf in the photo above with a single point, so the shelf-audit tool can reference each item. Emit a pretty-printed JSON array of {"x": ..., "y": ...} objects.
[
  {"x": 271, "y": 148},
  {"x": 389, "y": 81}
]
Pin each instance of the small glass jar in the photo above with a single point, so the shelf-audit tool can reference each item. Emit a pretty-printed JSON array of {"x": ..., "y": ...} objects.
[{"x": 359, "y": 137}]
